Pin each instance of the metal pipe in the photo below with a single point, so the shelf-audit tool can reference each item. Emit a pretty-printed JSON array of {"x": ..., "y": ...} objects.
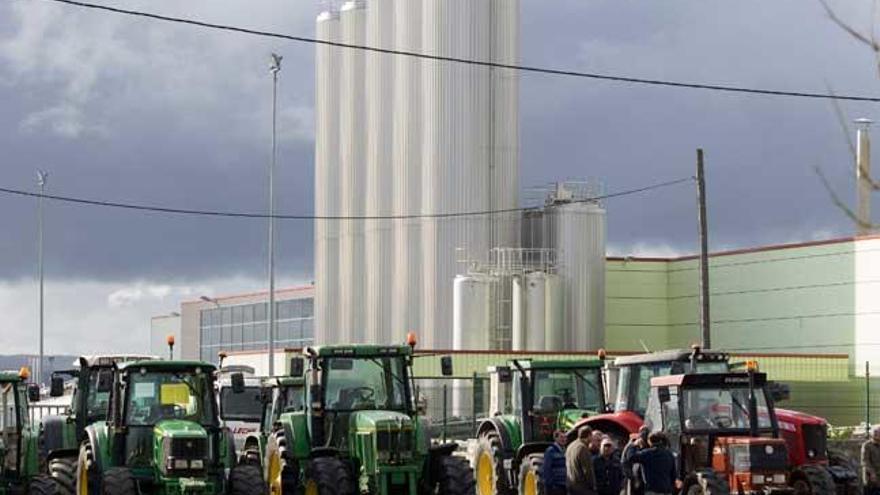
[
  {"x": 863, "y": 174},
  {"x": 274, "y": 68},
  {"x": 42, "y": 176}
]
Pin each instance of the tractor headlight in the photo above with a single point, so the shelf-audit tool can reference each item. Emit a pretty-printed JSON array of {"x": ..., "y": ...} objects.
[
  {"x": 757, "y": 479},
  {"x": 768, "y": 449},
  {"x": 811, "y": 453},
  {"x": 181, "y": 464},
  {"x": 779, "y": 479},
  {"x": 197, "y": 464}
]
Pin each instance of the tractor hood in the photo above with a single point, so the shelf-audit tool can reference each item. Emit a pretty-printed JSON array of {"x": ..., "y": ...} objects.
[
  {"x": 371, "y": 421},
  {"x": 179, "y": 428},
  {"x": 570, "y": 417},
  {"x": 181, "y": 448}
]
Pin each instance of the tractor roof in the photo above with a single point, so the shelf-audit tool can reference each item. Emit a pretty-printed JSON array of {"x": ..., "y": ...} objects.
[
  {"x": 159, "y": 365},
  {"x": 560, "y": 364},
  {"x": 709, "y": 380},
  {"x": 111, "y": 359},
  {"x": 672, "y": 355},
  {"x": 283, "y": 381},
  {"x": 9, "y": 377},
  {"x": 359, "y": 350}
]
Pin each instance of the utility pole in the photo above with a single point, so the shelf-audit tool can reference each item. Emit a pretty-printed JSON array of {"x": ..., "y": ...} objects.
[
  {"x": 42, "y": 177},
  {"x": 704, "y": 254},
  {"x": 274, "y": 68}
]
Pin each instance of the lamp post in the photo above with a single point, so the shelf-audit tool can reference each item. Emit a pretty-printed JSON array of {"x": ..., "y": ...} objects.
[
  {"x": 42, "y": 177},
  {"x": 274, "y": 68}
]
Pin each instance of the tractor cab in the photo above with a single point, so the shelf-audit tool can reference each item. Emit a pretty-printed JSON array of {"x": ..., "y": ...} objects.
[
  {"x": 19, "y": 467},
  {"x": 278, "y": 396},
  {"x": 723, "y": 428}
]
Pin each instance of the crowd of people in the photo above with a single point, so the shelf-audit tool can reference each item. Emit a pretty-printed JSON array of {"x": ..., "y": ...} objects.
[{"x": 593, "y": 465}]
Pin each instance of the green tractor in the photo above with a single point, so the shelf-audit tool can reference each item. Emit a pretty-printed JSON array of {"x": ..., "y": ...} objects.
[
  {"x": 61, "y": 435},
  {"x": 529, "y": 400},
  {"x": 360, "y": 430},
  {"x": 163, "y": 435},
  {"x": 19, "y": 464},
  {"x": 279, "y": 395}
]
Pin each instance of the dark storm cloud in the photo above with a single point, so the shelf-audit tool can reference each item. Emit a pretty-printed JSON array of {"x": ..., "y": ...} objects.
[{"x": 139, "y": 111}]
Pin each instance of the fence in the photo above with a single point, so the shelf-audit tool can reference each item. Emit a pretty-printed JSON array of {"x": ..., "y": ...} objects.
[{"x": 453, "y": 405}]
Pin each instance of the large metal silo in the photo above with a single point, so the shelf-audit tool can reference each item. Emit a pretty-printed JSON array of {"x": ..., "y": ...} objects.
[
  {"x": 379, "y": 239},
  {"x": 327, "y": 185},
  {"x": 352, "y": 170},
  {"x": 406, "y": 309},
  {"x": 538, "y": 312},
  {"x": 456, "y": 149}
]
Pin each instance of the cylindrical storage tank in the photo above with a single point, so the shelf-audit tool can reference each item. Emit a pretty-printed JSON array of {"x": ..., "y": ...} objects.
[
  {"x": 504, "y": 117},
  {"x": 353, "y": 173},
  {"x": 407, "y": 176},
  {"x": 473, "y": 309},
  {"x": 327, "y": 185},
  {"x": 578, "y": 233},
  {"x": 537, "y": 312},
  {"x": 456, "y": 175},
  {"x": 554, "y": 313},
  {"x": 378, "y": 238},
  {"x": 519, "y": 314}
]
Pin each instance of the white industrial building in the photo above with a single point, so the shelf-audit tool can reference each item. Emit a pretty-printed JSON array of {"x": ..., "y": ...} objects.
[{"x": 400, "y": 136}]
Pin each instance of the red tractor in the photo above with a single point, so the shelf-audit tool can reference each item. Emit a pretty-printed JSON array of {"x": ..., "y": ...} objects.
[{"x": 805, "y": 435}]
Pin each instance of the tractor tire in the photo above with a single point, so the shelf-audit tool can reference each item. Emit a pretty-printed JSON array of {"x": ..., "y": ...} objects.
[
  {"x": 88, "y": 479},
  {"x": 119, "y": 481},
  {"x": 489, "y": 466},
  {"x": 43, "y": 485},
  {"x": 329, "y": 476},
  {"x": 280, "y": 469},
  {"x": 816, "y": 480},
  {"x": 530, "y": 480},
  {"x": 246, "y": 480},
  {"x": 708, "y": 483},
  {"x": 455, "y": 477},
  {"x": 63, "y": 471}
]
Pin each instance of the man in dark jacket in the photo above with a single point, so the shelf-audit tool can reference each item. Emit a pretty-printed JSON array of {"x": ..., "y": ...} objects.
[
  {"x": 658, "y": 466},
  {"x": 607, "y": 468},
  {"x": 553, "y": 471},
  {"x": 632, "y": 472},
  {"x": 579, "y": 465}
]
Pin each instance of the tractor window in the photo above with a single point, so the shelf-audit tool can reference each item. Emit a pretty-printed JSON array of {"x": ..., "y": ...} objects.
[
  {"x": 567, "y": 389},
  {"x": 98, "y": 401},
  {"x": 245, "y": 406},
  {"x": 290, "y": 399},
  {"x": 156, "y": 396},
  {"x": 722, "y": 409},
  {"x": 8, "y": 427},
  {"x": 364, "y": 383}
]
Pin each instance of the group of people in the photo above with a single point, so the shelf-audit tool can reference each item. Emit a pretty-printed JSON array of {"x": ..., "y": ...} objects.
[{"x": 592, "y": 465}]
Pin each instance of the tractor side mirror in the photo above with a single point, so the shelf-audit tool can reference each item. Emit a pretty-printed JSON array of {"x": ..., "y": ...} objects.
[
  {"x": 505, "y": 375},
  {"x": 237, "y": 379},
  {"x": 56, "y": 386},
  {"x": 297, "y": 366},
  {"x": 446, "y": 366},
  {"x": 266, "y": 395},
  {"x": 33, "y": 392},
  {"x": 105, "y": 381},
  {"x": 663, "y": 394}
]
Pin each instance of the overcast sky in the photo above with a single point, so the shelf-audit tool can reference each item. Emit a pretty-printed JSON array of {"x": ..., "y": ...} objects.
[{"x": 135, "y": 110}]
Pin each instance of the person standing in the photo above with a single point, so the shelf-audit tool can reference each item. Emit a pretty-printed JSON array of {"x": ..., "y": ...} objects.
[
  {"x": 596, "y": 442},
  {"x": 553, "y": 471},
  {"x": 871, "y": 463},
  {"x": 581, "y": 479},
  {"x": 632, "y": 472},
  {"x": 607, "y": 468},
  {"x": 658, "y": 466}
]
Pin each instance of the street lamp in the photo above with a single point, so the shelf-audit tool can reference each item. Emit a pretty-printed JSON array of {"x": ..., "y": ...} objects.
[
  {"x": 274, "y": 68},
  {"x": 42, "y": 177},
  {"x": 210, "y": 300}
]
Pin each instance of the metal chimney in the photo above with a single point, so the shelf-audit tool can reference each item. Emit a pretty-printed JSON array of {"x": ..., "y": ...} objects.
[{"x": 863, "y": 174}]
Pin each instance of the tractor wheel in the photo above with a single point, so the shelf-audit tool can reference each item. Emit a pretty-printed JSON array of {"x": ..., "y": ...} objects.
[
  {"x": 489, "y": 466},
  {"x": 246, "y": 480},
  {"x": 328, "y": 476},
  {"x": 43, "y": 485},
  {"x": 280, "y": 470},
  {"x": 63, "y": 471},
  {"x": 455, "y": 477},
  {"x": 530, "y": 481},
  {"x": 816, "y": 481},
  {"x": 707, "y": 483},
  {"x": 119, "y": 481},
  {"x": 88, "y": 479}
]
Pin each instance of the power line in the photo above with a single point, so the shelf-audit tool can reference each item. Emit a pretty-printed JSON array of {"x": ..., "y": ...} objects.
[
  {"x": 235, "y": 214},
  {"x": 480, "y": 63}
]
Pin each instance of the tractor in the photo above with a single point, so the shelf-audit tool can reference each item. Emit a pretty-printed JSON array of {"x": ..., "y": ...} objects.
[
  {"x": 19, "y": 465},
  {"x": 813, "y": 472},
  {"x": 724, "y": 431},
  {"x": 278, "y": 395},
  {"x": 240, "y": 412},
  {"x": 528, "y": 401},
  {"x": 163, "y": 435},
  {"x": 61, "y": 435},
  {"x": 360, "y": 430}
]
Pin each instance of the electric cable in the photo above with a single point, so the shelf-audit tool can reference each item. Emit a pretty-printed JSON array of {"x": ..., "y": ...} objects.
[
  {"x": 234, "y": 214},
  {"x": 479, "y": 63}
]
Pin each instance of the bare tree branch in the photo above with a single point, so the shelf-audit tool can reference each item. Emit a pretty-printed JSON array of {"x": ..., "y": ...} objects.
[
  {"x": 864, "y": 225},
  {"x": 849, "y": 29}
]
